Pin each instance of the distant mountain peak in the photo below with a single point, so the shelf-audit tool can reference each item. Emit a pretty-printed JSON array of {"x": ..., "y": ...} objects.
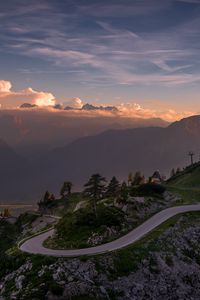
[
  {"x": 69, "y": 108},
  {"x": 58, "y": 106},
  {"x": 88, "y": 106},
  {"x": 190, "y": 125},
  {"x": 28, "y": 105}
]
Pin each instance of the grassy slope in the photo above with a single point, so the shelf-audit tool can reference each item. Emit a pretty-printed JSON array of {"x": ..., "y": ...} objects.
[
  {"x": 186, "y": 184},
  {"x": 187, "y": 196},
  {"x": 188, "y": 178}
]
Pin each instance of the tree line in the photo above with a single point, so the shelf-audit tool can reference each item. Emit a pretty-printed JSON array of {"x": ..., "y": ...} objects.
[{"x": 97, "y": 188}]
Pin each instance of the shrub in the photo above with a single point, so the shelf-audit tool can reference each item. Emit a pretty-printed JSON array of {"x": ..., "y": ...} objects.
[{"x": 149, "y": 189}]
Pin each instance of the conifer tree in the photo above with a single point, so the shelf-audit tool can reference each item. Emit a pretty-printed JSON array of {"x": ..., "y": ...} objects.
[
  {"x": 113, "y": 187},
  {"x": 124, "y": 192},
  {"x": 66, "y": 189},
  {"x": 172, "y": 173},
  {"x": 95, "y": 188}
]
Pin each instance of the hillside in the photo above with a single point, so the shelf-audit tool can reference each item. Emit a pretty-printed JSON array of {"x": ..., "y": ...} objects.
[
  {"x": 10, "y": 161},
  {"x": 111, "y": 152},
  {"x": 33, "y": 132},
  {"x": 121, "y": 151},
  {"x": 189, "y": 178},
  {"x": 168, "y": 257},
  {"x": 13, "y": 168},
  {"x": 186, "y": 184}
]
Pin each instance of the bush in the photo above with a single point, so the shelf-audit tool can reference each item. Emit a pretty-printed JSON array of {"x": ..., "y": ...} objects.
[
  {"x": 106, "y": 216},
  {"x": 149, "y": 189},
  {"x": 74, "y": 229}
]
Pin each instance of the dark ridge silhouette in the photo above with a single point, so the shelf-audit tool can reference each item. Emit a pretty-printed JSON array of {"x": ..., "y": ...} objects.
[{"x": 113, "y": 152}]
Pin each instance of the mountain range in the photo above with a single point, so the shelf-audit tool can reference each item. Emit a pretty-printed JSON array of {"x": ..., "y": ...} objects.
[
  {"x": 34, "y": 132},
  {"x": 86, "y": 106},
  {"x": 112, "y": 152}
]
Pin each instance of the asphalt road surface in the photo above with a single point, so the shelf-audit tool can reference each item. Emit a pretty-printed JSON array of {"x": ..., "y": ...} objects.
[{"x": 35, "y": 244}]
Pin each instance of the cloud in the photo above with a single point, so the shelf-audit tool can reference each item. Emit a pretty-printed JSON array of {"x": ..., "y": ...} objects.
[
  {"x": 5, "y": 86},
  {"x": 134, "y": 110},
  {"x": 11, "y": 99},
  {"x": 165, "y": 67},
  {"x": 109, "y": 52},
  {"x": 117, "y": 32},
  {"x": 75, "y": 103},
  {"x": 119, "y": 9},
  {"x": 67, "y": 56},
  {"x": 125, "y": 110},
  {"x": 129, "y": 64},
  {"x": 115, "y": 65}
]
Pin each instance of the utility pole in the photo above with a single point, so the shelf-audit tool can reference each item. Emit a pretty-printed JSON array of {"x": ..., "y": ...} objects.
[{"x": 191, "y": 154}]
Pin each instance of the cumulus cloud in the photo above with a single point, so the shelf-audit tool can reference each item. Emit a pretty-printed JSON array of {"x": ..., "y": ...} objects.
[
  {"x": 172, "y": 115},
  {"x": 5, "y": 86},
  {"x": 135, "y": 110},
  {"x": 75, "y": 103},
  {"x": 11, "y": 99}
]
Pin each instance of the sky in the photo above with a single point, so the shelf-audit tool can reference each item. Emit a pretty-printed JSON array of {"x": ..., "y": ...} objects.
[{"x": 139, "y": 55}]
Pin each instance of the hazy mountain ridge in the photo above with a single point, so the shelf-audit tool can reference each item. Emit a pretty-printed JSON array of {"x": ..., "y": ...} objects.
[
  {"x": 10, "y": 161},
  {"x": 120, "y": 151},
  {"x": 32, "y": 132},
  {"x": 113, "y": 152}
]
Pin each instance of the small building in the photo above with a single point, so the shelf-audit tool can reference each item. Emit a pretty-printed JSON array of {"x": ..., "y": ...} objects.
[{"x": 156, "y": 177}]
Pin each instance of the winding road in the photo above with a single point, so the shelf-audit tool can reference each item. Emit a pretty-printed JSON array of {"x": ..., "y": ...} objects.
[{"x": 35, "y": 244}]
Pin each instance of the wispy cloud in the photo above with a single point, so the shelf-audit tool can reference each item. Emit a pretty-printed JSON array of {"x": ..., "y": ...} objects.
[
  {"x": 23, "y": 10},
  {"x": 117, "y": 32},
  {"x": 75, "y": 57},
  {"x": 106, "y": 43},
  {"x": 118, "y": 9},
  {"x": 123, "y": 59}
]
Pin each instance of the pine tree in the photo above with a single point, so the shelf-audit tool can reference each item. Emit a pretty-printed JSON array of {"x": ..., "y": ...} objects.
[
  {"x": 138, "y": 179},
  {"x": 47, "y": 197},
  {"x": 66, "y": 189},
  {"x": 172, "y": 173},
  {"x": 130, "y": 178},
  {"x": 124, "y": 192},
  {"x": 95, "y": 188},
  {"x": 113, "y": 187},
  {"x": 52, "y": 198}
]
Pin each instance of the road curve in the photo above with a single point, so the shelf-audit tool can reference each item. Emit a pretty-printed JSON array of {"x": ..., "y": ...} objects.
[{"x": 35, "y": 244}]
